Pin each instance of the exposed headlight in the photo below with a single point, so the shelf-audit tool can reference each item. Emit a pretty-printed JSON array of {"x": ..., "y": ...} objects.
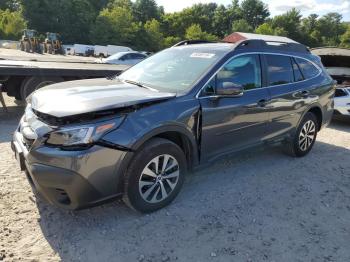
[{"x": 80, "y": 136}]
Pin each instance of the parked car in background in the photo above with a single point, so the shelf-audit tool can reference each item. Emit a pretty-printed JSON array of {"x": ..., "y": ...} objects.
[
  {"x": 123, "y": 58},
  {"x": 342, "y": 102},
  {"x": 138, "y": 134},
  {"x": 113, "y": 49}
]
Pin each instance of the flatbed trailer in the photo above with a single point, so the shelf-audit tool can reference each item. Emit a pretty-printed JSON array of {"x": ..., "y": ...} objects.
[{"x": 21, "y": 74}]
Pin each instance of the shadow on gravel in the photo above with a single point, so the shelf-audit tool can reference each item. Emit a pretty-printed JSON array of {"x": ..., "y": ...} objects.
[
  {"x": 8, "y": 122},
  {"x": 257, "y": 205},
  {"x": 340, "y": 125}
]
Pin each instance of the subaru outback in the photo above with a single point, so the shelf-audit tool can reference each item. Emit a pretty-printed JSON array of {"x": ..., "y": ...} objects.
[{"x": 136, "y": 135}]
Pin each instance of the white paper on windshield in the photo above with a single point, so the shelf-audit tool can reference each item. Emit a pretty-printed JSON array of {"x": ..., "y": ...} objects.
[{"x": 202, "y": 55}]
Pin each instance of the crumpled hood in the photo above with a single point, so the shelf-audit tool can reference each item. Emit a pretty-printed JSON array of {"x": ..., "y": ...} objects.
[{"x": 84, "y": 96}]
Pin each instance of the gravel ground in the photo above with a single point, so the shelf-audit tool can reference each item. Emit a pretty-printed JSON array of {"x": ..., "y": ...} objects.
[{"x": 256, "y": 206}]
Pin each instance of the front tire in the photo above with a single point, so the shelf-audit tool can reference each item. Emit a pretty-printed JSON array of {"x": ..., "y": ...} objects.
[
  {"x": 155, "y": 176},
  {"x": 305, "y": 136}
]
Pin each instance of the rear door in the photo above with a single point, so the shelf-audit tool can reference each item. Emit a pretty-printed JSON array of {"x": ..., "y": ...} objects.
[
  {"x": 288, "y": 90},
  {"x": 231, "y": 123}
]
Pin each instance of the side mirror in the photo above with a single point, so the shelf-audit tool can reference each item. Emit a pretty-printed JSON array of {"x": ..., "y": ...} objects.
[{"x": 229, "y": 89}]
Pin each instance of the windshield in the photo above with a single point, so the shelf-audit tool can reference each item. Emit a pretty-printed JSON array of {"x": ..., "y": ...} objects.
[{"x": 172, "y": 70}]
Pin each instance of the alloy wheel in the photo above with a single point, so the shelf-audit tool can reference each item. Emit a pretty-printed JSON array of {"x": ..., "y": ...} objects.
[
  {"x": 159, "y": 178},
  {"x": 307, "y": 135}
]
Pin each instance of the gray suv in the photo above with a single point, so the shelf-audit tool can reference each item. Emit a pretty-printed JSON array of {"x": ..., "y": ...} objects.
[{"x": 136, "y": 135}]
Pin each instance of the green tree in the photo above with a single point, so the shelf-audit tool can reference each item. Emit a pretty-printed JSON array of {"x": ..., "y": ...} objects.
[
  {"x": 146, "y": 10},
  {"x": 115, "y": 26},
  {"x": 13, "y": 5},
  {"x": 171, "y": 40},
  {"x": 221, "y": 22},
  {"x": 345, "y": 38},
  {"x": 176, "y": 24},
  {"x": 310, "y": 23},
  {"x": 11, "y": 24},
  {"x": 155, "y": 38},
  {"x": 127, "y": 4},
  {"x": 98, "y": 5},
  {"x": 71, "y": 18},
  {"x": 265, "y": 29},
  {"x": 289, "y": 22},
  {"x": 194, "y": 32},
  {"x": 254, "y": 12},
  {"x": 331, "y": 28},
  {"x": 315, "y": 38},
  {"x": 242, "y": 26}
]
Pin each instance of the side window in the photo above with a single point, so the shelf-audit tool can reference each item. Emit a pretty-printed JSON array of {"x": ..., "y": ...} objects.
[
  {"x": 244, "y": 70},
  {"x": 280, "y": 70},
  {"x": 298, "y": 76},
  {"x": 140, "y": 56},
  {"x": 124, "y": 57},
  {"x": 307, "y": 68}
]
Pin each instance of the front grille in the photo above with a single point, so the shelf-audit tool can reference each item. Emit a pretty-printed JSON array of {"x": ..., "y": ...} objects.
[{"x": 47, "y": 119}]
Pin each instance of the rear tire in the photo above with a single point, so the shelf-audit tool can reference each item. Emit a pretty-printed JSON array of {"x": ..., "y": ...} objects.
[
  {"x": 33, "y": 83},
  {"x": 149, "y": 186},
  {"x": 304, "y": 138}
]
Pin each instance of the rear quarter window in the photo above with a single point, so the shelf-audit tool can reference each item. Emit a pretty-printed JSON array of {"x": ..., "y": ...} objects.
[{"x": 307, "y": 68}]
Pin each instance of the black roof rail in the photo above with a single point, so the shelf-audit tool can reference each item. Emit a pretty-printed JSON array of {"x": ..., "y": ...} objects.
[
  {"x": 274, "y": 45},
  {"x": 192, "y": 42}
]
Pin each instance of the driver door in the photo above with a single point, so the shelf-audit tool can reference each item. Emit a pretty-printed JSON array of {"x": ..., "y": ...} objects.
[{"x": 231, "y": 123}]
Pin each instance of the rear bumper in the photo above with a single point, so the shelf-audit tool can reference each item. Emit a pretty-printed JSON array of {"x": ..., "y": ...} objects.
[{"x": 71, "y": 179}]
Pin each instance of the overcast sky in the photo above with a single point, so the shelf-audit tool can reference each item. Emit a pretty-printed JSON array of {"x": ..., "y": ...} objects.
[{"x": 276, "y": 7}]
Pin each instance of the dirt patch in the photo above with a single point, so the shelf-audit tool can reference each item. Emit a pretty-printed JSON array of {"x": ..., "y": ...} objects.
[{"x": 256, "y": 206}]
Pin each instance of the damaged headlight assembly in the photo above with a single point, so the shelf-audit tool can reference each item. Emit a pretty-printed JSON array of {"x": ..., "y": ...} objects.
[{"x": 81, "y": 136}]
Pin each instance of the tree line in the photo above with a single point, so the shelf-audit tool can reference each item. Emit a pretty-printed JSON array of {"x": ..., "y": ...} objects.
[{"x": 143, "y": 25}]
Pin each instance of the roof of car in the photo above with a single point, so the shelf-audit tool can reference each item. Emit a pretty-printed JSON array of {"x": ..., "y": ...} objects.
[
  {"x": 209, "y": 46},
  {"x": 236, "y": 36},
  {"x": 252, "y": 44}
]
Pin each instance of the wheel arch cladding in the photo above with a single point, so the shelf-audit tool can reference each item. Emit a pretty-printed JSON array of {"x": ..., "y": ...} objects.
[
  {"x": 183, "y": 142},
  {"x": 318, "y": 113},
  {"x": 181, "y": 137}
]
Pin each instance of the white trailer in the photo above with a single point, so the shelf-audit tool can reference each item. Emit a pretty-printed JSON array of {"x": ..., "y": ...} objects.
[
  {"x": 101, "y": 51},
  {"x": 82, "y": 50},
  {"x": 68, "y": 49}
]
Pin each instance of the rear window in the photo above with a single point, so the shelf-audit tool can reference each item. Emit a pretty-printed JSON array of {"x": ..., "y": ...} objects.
[
  {"x": 307, "y": 68},
  {"x": 280, "y": 70}
]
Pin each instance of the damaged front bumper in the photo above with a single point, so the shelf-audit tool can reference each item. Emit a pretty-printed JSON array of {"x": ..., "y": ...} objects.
[{"x": 70, "y": 179}]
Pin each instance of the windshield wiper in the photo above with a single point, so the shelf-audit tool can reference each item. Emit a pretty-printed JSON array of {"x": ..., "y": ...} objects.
[{"x": 139, "y": 84}]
